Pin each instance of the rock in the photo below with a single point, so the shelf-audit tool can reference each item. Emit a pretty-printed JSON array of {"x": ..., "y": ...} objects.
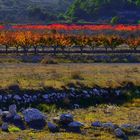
[
  {"x": 76, "y": 106},
  {"x": 119, "y": 133},
  {"x": 34, "y": 118},
  {"x": 75, "y": 127},
  {"x": 17, "y": 98},
  {"x": 127, "y": 126},
  {"x": 18, "y": 122},
  {"x": 96, "y": 124},
  {"x": 1, "y": 112},
  {"x": 137, "y": 127},
  {"x": 17, "y": 117},
  {"x": 56, "y": 120},
  {"x": 5, "y": 113},
  {"x": 66, "y": 118},
  {"x": 6, "y": 116},
  {"x": 4, "y": 127},
  {"x": 13, "y": 110},
  {"x": 46, "y": 96},
  {"x": 109, "y": 125},
  {"x": 75, "y": 124},
  {"x": 14, "y": 87},
  {"x": 52, "y": 127},
  {"x": 1, "y": 97},
  {"x": 118, "y": 92}
]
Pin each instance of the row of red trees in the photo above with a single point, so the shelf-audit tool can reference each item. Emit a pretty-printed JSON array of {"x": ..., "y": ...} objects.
[
  {"x": 28, "y": 39},
  {"x": 67, "y": 27}
]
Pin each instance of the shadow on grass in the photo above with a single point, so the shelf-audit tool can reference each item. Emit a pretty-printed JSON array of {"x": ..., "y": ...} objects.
[{"x": 127, "y": 93}]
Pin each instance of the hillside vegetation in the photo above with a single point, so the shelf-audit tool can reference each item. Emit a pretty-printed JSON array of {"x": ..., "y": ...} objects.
[
  {"x": 76, "y": 11},
  {"x": 122, "y": 11},
  {"x": 32, "y": 11}
]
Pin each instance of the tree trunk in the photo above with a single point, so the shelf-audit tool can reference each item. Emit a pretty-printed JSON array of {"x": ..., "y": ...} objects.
[
  {"x": 6, "y": 49},
  {"x": 54, "y": 50},
  {"x": 17, "y": 50},
  {"x": 81, "y": 48},
  {"x": 35, "y": 50}
]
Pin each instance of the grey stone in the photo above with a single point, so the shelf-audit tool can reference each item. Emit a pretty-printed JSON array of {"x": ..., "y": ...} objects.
[
  {"x": 75, "y": 124},
  {"x": 32, "y": 114},
  {"x": 108, "y": 125},
  {"x": 45, "y": 96},
  {"x": 34, "y": 118},
  {"x": 1, "y": 112},
  {"x": 0, "y": 97},
  {"x": 66, "y": 118},
  {"x": 13, "y": 110},
  {"x": 137, "y": 127},
  {"x": 127, "y": 126},
  {"x": 96, "y": 124},
  {"x": 4, "y": 127},
  {"x": 52, "y": 127},
  {"x": 5, "y": 113},
  {"x": 17, "y": 98},
  {"x": 119, "y": 133},
  {"x": 17, "y": 117}
]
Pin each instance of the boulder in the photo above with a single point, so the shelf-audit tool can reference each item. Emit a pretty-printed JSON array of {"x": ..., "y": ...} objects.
[
  {"x": 52, "y": 127},
  {"x": 17, "y": 98},
  {"x": 119, "y": 133},
  {"x": 127, "y": 126},
  {"x": 4, "y": 127},
  {"x": 66, "y": 119},
  {"x": 1, "y": 97},
  {"x": 96, "y": 124},
  {"x": 75, "y": 127},
  {"x": 17, "y": 117},
  {"x": 109, "y": 125},
  {"x": 34, "y": 118},
  {"x": 1, "y": 112},
  {"x": 75, "y": 124},
  {"x": 18, "y": 122},
  {"x": 137, "y": 127},
  {"x": 13, "y": 110}
]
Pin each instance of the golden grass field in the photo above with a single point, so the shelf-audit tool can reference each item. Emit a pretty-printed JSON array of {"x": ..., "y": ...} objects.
[{"x": 36, "y": 76}]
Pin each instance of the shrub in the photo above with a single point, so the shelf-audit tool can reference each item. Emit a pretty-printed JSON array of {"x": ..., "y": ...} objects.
[{"x": 14, "y": 129}]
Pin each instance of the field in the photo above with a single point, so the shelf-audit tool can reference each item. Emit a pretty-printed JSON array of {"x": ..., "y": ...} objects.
[
  {"x": 35, "y": 76},
  {"x": 89, "y": 72},
  {"x": 59, "y": 76}
]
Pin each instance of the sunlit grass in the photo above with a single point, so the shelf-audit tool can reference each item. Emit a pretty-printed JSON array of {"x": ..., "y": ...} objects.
[{"x": 59, "y": 75}]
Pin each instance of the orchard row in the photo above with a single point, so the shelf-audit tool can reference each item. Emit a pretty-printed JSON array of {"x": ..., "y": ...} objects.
[{"x": 29, "y": 39}]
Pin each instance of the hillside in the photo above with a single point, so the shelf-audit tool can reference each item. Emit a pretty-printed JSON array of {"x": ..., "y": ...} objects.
[
  {"x": 32, "y": 11},
  {"x": 77, "y": 11},
  {"x": 105, "y": 11}
]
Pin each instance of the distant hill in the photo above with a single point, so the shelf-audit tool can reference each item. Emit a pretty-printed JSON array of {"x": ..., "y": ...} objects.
[
  {"x": 105, "y": 11},
  {"x": 32, "y": 11},
  {"x": 70, "y": 11}
]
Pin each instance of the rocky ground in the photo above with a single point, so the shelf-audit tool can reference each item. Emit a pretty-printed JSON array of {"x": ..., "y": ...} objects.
[
  {"x": 100, "y": 122},
  {"x": 78, "y": 109}
]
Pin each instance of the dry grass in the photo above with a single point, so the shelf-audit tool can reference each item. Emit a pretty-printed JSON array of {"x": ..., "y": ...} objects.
[{"x": 37, "y": 76}]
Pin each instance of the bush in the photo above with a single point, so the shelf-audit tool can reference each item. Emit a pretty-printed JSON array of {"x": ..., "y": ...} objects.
[
  {"x": 47, "y": 108},
  {"x": 76, "y": 75},
  {"x": 14, "y": 129}
]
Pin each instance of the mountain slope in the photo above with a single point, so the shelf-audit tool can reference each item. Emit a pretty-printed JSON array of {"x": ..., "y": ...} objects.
[
  {"x": 78, "y": 11},
  {"x": 124, "y": 11},
  {"x": 32, "y": 11}
]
